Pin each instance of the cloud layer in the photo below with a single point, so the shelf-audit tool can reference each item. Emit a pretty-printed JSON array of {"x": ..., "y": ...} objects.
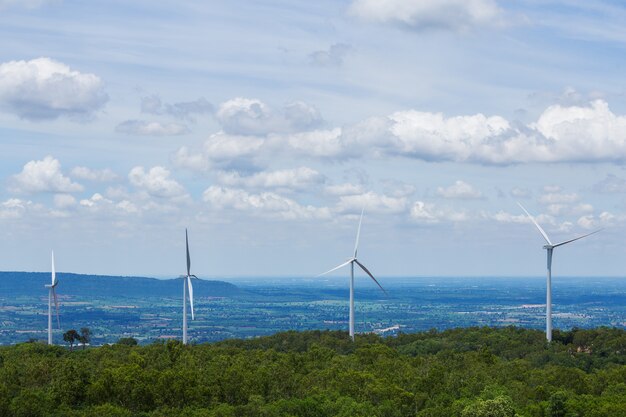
[
  {"x": 456, "y": 15},
  {"x": 591, "y": 133}
]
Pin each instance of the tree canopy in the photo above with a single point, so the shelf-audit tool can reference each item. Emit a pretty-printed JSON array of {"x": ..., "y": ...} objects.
[{"x": 471, "y": 372}]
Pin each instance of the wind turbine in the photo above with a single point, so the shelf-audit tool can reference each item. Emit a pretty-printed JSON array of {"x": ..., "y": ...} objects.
[
  {"x": 52, "y": 295},
  {"x": 187, "y": 283},
  {"x": 550, "y": 248},
  {"x": 351, "y": 262}
]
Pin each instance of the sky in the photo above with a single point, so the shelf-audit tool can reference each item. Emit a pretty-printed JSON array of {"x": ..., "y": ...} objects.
[{"x": 265, "y": 127}]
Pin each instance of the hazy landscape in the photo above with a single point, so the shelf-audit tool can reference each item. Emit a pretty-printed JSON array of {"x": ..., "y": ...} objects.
[{"x": 150, "y": 309}]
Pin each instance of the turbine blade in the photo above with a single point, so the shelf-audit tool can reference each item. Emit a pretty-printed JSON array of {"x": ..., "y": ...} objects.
[
  {"x": 543, "y": 233},
  {"x": 54, "y": 275},
  {"x": 335, "y": 268},
  {"x": 371, "y": 276},
  {"x": 56, "y": 303},
  {"x": 579, "y": 237},
  {"x": 358, "y": 233},
  {"x": 188, "y": 258},
  {"x": 190, "y": 296}
]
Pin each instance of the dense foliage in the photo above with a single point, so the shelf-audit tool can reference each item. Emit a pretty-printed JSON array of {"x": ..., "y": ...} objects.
[{"x": 469, "y": 372}]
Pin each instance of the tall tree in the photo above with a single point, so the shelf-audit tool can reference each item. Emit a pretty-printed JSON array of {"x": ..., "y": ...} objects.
[
  {"x": 71, "y": 336},
  {"x": 85, "y": 336}
]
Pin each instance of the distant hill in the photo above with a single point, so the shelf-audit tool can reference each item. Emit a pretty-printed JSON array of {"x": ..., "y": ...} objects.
[{"x": 28, "y": 283}]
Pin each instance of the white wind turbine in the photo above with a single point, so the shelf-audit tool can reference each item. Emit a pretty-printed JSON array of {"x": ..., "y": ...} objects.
[
  {"x": 353, "y": 261},
  {"x": 550, "y": 248},
  {"x": 187, "y": 283},
  {"x": 52, "y": 296}
]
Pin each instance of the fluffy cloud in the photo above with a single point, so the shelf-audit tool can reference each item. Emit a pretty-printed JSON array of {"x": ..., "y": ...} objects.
[
  {"x": 288, "y": 179},
  {"x": 604, "y": 219},
  {"x": 145, "y": 128},
  {"x": 264, "y": 204},
  {"x": 182, "y": 110},
  {"x": 371, "y": 202},
  {"x": 561, "y": 134},
  {"x": 458, "y": 15},
  {"x": 13, "y": 208},
  {"x": 156, "y": 182},
  {"x": 244, "y": 116},
  {"x": 221, "y": 151},
  {"x": 84, "y": 173},
  {"x": 46, "y": 89},
  {"x": 43, "y": 176},
  {"x": 459, "y": 190},
  {"x": 334, "y": 56},
  {"x": 427, "y": 213},
  {"x": 97, "y": 203}
]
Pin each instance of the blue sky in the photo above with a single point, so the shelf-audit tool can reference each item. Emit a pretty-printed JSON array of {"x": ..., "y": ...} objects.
[{"x": 264, "y": 127}]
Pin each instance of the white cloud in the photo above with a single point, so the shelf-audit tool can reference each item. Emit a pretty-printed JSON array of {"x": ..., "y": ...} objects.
[
  {"x": 371, "y": 202},
  {"x": 562, "y": 134},
  {"x": 244, "y": 116},
  {"x": 102, "y": 175},
  {"x": 156, "y": 182},
  {"x": 145, "y": 128},
  {"x": 13, "y": 208},
  {"x": 427, "y": 213},
  {"x": 221, "y": 151},
  {"x": 99, "y": 204},
  {"x": 458, "y": 15},
  {"x": 459, "y": 190},
  {"x": 316, "y": 143},
  {"x": 604, "y": 219},
  {"x": 263, "y": 204},
  {"x": 43, "y": 176},
  {"x": 46, "y": 89},
  {"x": 289, "y": 179},
  {"x": 97, "y": 198}
]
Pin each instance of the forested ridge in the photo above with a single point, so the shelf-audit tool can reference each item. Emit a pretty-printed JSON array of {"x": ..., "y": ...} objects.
[{"x": 468, "y": 372}]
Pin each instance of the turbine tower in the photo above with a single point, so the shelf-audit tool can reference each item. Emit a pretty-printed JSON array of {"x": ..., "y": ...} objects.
[
  {"x": 187, "y": 284},
  {"x": 52, "y": 295},
  {"x": 351, "y": 262},
  {"x": 549, "y": 247}
]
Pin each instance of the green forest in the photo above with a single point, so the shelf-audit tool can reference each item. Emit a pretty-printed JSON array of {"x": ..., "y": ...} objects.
[{"x": 469, "y": 372}]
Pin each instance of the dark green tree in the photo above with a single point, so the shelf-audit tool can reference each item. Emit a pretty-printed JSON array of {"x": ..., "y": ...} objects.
[
  {"x": 128, "y": 341},
  {"x": 500, "y": 406},
  {"x": 71, "y": 336},
  {"x": 85, "y": 336},
  {"x": 557, "y": 406}
]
